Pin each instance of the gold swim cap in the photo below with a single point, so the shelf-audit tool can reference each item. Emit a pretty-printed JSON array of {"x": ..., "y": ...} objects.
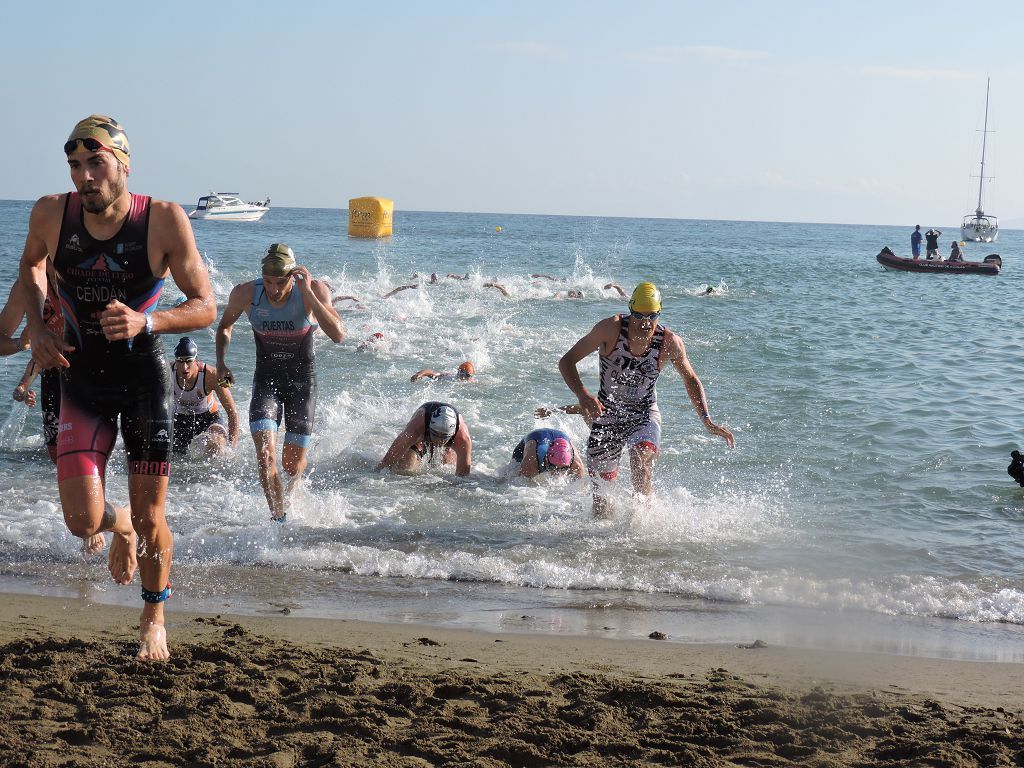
[
  {"x": 278, "y": 261},
  {"x": 103, "y": 129},
  {"x": 646, "y": 298}
]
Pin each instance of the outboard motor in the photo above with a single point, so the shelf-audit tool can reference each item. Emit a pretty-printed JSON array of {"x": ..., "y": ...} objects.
[{"x": 1016, "y": 468}]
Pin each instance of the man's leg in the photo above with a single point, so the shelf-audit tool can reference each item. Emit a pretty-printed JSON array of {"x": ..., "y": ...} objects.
[
  {"x": 87, "y": 439},
  {"x": 88, "y": 515},
  {"x": 299, "y": 409},
  {"x": 604, "y": 449},
  {"x": 147, "y": 495},
  {"x": 293, "y": 459},
  {"x": 266, "y": 458},
  {"x": 641, "y": 464}
]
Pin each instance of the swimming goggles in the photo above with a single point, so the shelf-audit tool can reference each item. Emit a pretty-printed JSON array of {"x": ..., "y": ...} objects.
[{"x": 91, "y": 144}]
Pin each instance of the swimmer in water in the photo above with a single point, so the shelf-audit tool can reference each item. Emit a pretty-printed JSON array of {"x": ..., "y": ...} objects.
[
  {"x": 372, "y": 341},
  {"x": 547, "y": 450},
  {"x": 435, "y": 428},
  {"x": 465, "y": 373}
]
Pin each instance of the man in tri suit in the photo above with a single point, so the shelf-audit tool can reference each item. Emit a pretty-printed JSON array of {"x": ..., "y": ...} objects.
[
  {"x": 111, "y": 251},
  {"x": 285, "y": 307},
  {"x": 196, "y": 413},
  {"x": 632, "y": 350}
]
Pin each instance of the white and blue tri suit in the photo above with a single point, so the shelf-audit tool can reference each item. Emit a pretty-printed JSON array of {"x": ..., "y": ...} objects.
[{"x": 284, "y": 382}]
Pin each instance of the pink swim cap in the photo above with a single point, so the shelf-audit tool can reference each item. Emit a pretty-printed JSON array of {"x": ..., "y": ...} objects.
[{"x": 559, "y": 453}]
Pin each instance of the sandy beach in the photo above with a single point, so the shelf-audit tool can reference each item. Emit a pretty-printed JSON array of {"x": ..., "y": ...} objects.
[{"x": 288, "y": 691}]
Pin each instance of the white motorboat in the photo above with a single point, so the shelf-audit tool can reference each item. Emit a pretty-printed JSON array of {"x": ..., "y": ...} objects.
[
  {"x": 980, "y": 227},
  {"x": 228, "y": 206}
]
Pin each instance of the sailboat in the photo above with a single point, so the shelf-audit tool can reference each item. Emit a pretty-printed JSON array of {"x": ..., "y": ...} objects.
[{"x": 980, "y": 227}]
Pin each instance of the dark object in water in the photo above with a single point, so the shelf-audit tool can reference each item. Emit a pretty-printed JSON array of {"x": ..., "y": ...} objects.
[{"x": 1016, "y": 468}]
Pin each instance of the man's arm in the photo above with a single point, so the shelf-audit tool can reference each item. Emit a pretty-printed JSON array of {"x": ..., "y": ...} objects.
[
  {"x": 576, "y": 469},
  {"x": 529, "y": 466},
  {"x": 597, "y": 339},
  {"x": 47, "y": 347},
  {"x": 10, "y": 319},
  {"x": 542, "y": 412},
  {"x": 173, "y": 249},
  {"x": 499, "y": 286},
  {"x": 22, "y": 393},
  {"x": 676, "y": 351},
  {"x": 463, "y": 450},
  {"x": 392, "y": 292},
  {"x": 241, "y": 296},
  {"x": 411, "y": 434},
  {"x": 317, "y": 299},
  {"x": 426, "y": 373},
  {"x": 210, "y": 379},
  {"x": 618, "y": 288}
]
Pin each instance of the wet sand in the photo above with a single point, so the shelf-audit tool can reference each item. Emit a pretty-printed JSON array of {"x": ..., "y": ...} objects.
[{"x": 287, "y": 691}]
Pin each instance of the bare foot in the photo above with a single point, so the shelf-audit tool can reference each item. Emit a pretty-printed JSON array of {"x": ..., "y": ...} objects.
[
  {"x": 122, "y": 561},
  {"x": 93, "y": 544},
  {"x": 152, "y": 642}
]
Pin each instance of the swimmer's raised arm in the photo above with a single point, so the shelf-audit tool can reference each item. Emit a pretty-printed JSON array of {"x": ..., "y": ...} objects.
[
  {"x": 393, "y": 291},
  {"x": 499, "y": 286}
]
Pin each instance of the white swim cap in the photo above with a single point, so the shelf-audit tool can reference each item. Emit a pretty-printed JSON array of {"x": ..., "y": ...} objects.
[{"x": 443, "y": 420}]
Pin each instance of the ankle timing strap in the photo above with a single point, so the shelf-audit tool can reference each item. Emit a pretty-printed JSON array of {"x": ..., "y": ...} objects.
[{"x": 157, "y": 597}]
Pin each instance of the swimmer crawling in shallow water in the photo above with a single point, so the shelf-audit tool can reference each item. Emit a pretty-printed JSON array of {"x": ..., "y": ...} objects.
[{"x": 435, "y": 428}]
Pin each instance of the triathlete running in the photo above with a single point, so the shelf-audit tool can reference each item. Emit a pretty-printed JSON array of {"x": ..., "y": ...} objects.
[
  {"x": 625, "y": 412},
  {"x": 285, "y": 307},
  {"x": 111, "y": 251}
]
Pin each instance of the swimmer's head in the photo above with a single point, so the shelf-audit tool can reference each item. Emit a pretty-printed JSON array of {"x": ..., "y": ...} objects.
[
  {"x": 560, "y": 453},
  {"x": 466, "y": 370},
  {"x": 646, "y": 299},
  {"x": 378, "y": 336},
  {"x": 574, "y": 294},
  {"x": 278, "y": 260},
  {"x": 99, "y": 133},
  {"x": 186, "y": 351},
  {"x": 443, "y": 421}
]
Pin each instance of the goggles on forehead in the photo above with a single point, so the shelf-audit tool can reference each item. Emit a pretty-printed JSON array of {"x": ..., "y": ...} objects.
[{"x": 91, "y": 144}]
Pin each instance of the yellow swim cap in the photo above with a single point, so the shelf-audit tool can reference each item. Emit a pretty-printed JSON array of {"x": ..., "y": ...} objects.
[
  {"x": 646, "y": 298},
  {"x": 278, "y": 261},
  {"x": 103, "y": 129}
]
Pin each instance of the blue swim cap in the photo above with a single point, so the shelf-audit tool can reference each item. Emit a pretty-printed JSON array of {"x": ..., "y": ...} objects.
[{"x": 186, "y": 349}]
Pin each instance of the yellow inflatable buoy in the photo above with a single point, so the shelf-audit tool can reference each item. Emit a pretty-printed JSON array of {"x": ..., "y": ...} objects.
[
  {"x": 497, "y": 229},
  {"x": 370, "y": 216}
]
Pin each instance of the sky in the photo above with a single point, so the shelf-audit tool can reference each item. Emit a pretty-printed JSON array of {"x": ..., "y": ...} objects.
[{"x": 841, "y": 112}]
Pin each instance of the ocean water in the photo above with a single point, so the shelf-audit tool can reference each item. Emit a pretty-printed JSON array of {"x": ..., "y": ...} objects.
[{"x": 866, "y": 503}]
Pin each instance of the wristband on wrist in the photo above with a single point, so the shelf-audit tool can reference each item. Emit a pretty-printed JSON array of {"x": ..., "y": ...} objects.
[{"x": 149, "y": 324}]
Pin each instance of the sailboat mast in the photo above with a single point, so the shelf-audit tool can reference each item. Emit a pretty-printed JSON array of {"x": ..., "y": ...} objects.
[{"x": 984, "y": 140}]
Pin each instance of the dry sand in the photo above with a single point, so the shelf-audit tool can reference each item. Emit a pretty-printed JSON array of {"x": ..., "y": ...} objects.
[{"x": 287, "y": 691}]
